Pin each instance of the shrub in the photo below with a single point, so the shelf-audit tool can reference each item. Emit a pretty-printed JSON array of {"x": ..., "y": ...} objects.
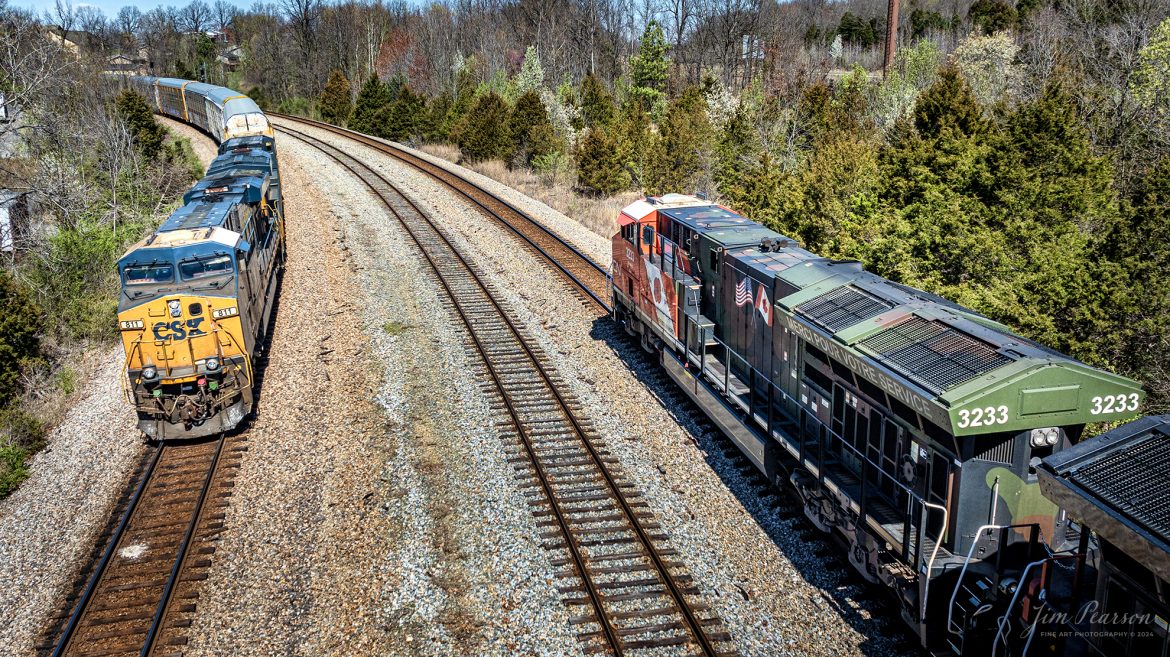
[
  {"x": 483, "y": 133},
  {"x": 21, "y": 435},
  {"x": 144, "y": 130},
  {"x": 20, "y": 322},
  {"x": 335, "y": 104}
]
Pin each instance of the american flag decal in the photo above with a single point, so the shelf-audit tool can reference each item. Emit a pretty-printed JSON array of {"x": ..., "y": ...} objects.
[{"x": 743, "y": 293}]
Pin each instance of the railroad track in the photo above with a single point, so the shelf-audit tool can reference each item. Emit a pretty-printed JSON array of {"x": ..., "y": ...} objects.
[
  {"x": 625, "y": 591},
  {"x": 581, "y": 271},
  {"x": 139, "y": 597}
]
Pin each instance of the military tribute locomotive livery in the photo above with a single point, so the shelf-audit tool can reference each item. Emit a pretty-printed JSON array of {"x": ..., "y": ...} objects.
[
  {"x": 909, "y": 425},
  {"x": 197, "y": 295}
]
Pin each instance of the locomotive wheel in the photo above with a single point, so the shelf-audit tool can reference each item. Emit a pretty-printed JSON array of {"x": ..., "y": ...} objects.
[{"x": 648, "y": 342}]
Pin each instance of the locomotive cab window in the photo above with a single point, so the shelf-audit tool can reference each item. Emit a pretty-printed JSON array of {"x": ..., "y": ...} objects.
[
  {"x": 630, "y": 232},
  {"x": 151, "y": 274},
  {"x": 205, "y": 267}
]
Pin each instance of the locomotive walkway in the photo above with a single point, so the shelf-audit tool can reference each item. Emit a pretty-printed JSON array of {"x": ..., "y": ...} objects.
[{"x": 625, "y": 592}]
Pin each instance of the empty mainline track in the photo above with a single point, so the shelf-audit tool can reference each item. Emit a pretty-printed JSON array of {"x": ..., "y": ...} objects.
[
  {"x": 583, "y": 273},
  {"x": 140, "y": 596},
  {"x": 625, "y": 591}
]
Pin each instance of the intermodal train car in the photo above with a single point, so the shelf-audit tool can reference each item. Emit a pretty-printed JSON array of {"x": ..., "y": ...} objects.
[{"x": 910, "y": 426}]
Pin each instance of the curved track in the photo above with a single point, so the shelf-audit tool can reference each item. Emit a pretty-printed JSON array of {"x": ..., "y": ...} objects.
[
  {"x": 582, "y": 272},
  {"x": 140, "y": 595},
  {"x": 625, "y": 593}
]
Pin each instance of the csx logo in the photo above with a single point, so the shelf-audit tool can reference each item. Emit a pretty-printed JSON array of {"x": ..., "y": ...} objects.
[{"x": 178, "y": 330}]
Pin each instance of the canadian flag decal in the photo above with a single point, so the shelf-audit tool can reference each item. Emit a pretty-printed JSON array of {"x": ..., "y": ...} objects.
[{"x": 764, "y": 306}]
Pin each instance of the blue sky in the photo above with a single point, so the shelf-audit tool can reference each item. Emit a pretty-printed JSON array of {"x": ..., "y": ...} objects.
[{"x": 109, "y": 7}]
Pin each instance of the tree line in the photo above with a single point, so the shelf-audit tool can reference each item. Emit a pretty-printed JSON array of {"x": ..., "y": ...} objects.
[
  {"x": 1022, "y": 177},
  {"x": 85, "y": 171}
]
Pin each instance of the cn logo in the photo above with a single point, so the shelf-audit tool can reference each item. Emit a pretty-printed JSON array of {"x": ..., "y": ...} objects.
[{"x": 178, "y": 330}]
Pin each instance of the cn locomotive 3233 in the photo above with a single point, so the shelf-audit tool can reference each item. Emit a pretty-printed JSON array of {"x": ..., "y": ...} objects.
[
  {"x": 197, "y": 295},
  {"x": 909, "y": 426}
]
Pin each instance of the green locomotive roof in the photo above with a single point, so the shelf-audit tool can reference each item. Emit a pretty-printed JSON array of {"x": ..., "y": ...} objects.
[{"x": 963, "y": 371}]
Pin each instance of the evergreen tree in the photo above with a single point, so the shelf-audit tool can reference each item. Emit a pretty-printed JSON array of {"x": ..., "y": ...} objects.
[
  {"x": 599, "y": 164},
  {"x": 336, "y": 104},
  {"x": 992, "y": 16},
  {"x": 650, "y": 66},
  {"x": 597, "y": 107},
  {"x": 682, "y": 151},
  {"x": 483, "y": 134},
  {"x": 404, "y": 118},
  {"x": 373, "y": 97},
  {"x": 436, "y": 126},
  {"x": 532, "y": 132},
  {"x": 948, "y": 105},
  {"x": 144, "y": 130},
  {"x": 735, "y": 150}
]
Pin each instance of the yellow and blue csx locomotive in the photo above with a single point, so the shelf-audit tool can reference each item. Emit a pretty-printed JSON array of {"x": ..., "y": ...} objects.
[{"x": 197, "y": 297}]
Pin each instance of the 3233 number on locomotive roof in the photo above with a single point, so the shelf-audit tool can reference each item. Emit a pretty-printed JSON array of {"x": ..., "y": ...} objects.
[
  {"x": 983, "y": 417},
  {"x": 1115, "y": 403}
]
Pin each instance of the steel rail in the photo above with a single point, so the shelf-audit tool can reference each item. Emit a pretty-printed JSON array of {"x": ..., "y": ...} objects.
[
  {"x": 430, "y": 168},
  {"x": 100, "y": 570},
  {"x": 694, "y": 624},
  {"x": 181, "y": 557}
]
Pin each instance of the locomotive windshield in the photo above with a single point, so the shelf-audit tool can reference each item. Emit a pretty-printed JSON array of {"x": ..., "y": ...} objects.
[
  {"x": 151, "y": 274},
  {"x": 200, "y": 267}
]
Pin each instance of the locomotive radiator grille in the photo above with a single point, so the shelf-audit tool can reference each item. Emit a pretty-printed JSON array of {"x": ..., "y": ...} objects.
[
  {"x": 1134, "y": 480},
  {"x": 932, "y": 354},
  {"x": 843, "y": 307}
]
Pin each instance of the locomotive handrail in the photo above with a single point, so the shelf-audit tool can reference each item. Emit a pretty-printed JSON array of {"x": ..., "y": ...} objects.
[
  {"x": 784, "y": 397},
  {"x": 1003, "y": 620},
  {"x": 933, "y": 555},
  {"x": 967, "y": 561}
]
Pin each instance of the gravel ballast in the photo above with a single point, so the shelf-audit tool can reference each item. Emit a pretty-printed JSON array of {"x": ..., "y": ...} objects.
[
  {"x": 375, "y": 512},
  {"x": 774, "y": 592},
  {"x": 50, "y": 523}
]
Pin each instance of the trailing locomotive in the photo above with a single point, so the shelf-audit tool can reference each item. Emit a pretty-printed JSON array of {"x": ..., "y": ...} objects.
[
  {"x": 909, "y": 425},
  {"x": 1109, "y": 591},
  {"x": 197, "y": 295}
]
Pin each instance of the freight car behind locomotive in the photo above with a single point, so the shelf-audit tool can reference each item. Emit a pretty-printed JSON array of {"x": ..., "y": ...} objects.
[
  {"x": 1108, "y": 592},
  {"x": 909, "y": 425},
  {"x": 220, "y": 112}
]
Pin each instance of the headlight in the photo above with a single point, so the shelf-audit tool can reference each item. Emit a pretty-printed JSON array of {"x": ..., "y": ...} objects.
[
  {"x": 1045, "y": 437},
  {"x": 131, "y": 324},
  {"x": 212, "y": 364},
  {"x": 175, "y": 307},
  {"x": 149, "y": 372},
  {"x": 220, "y": 313}
]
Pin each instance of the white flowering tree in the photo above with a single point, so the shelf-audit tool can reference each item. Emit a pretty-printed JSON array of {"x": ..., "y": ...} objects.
[{"x": 989, "y": 65}]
